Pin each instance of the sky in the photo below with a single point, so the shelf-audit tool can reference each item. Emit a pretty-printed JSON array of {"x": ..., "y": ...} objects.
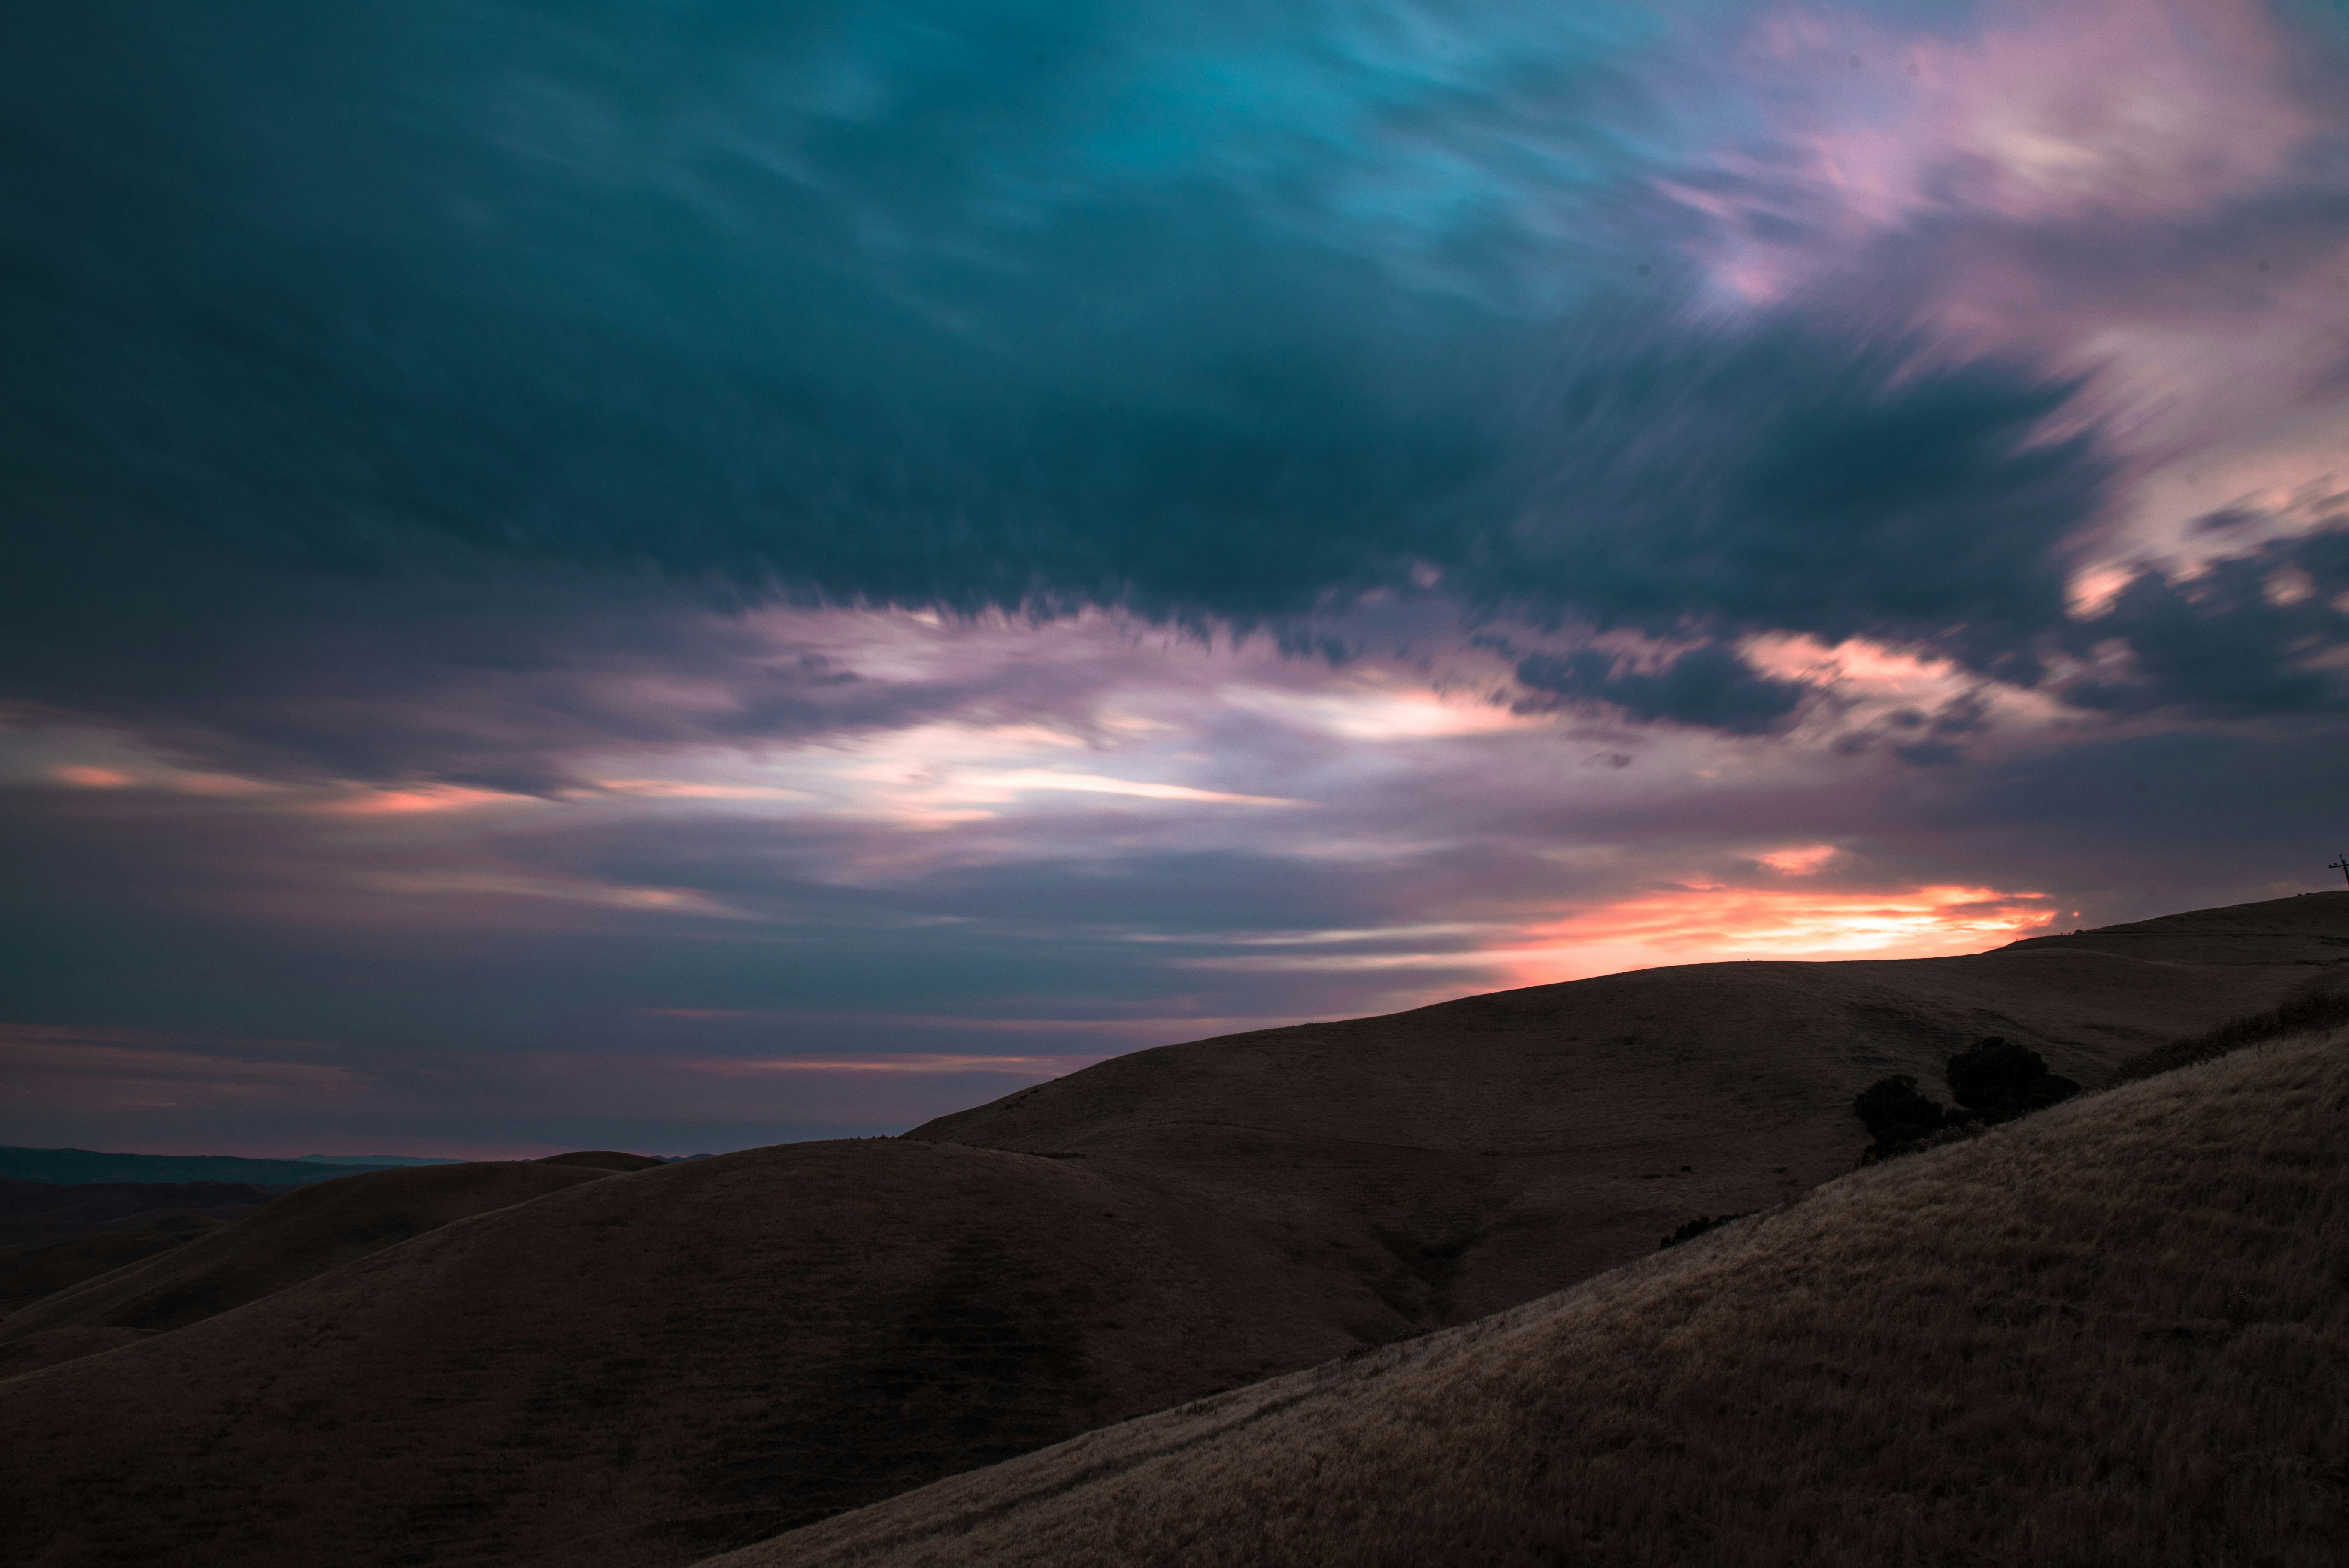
[{"x": 681, "y": 575}]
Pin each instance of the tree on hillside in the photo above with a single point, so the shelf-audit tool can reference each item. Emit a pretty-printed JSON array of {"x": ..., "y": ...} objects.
[
  {"x": 1896, "y": 1117},
  {"x": 1998, "y": 1081}
]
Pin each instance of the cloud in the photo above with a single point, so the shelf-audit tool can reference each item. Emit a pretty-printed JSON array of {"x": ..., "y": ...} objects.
[
  {"x": 1709, "y": 686},
  {"x": 443, "y": 328},
  {"x": 2257, "y": 634},
  {"x": 548, "y": 540}
]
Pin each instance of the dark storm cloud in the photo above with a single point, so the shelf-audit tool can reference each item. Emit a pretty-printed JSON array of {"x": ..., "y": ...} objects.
[
  {"x": 1709, "y": 686},
  {"x": 1032, "y": 308},
  {"x": 1792, "y": 477},
  {"x": 2247, "y": 635}
]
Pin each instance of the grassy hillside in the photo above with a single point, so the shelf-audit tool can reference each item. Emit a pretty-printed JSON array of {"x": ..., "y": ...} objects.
[
  {"x": 2117, "y": 1332},
  {"x": 298, "y": 1237},
  {"x": 1481, "y": 1152},
  {"x": 33, "y": 1212},
  {"x": 650, "y": 1367},
  {"x": 646, "y": 1368},
  {"x": 30, "y": 1273}
]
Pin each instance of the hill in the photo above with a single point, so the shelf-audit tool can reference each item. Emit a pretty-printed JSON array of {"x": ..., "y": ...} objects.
[
  {"x": 34, "y": 1211},
  {"x": 1474, "y": 1154},
  {"x": 300, "y": 1236},
  {"x": 75, "y": 1167},
  {"x": 657, "y": 1365},
  {"x": 2113, "y": 1332},
  {"x": 27, "y": 1273},
  {"x": 647, "y": 1367}
]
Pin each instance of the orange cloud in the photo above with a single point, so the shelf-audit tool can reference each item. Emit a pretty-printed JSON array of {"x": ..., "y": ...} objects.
[
  {"x": 410, "y": 802},
  {"x": 90, "y": 778},
  {"x": 1799, "y": 861},
  {"x": 1700, "y": 925}
]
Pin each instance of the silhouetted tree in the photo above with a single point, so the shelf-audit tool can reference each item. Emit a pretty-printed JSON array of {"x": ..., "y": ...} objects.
[
  {"x": 1998, "y": 1081},
  {"x": 1896, "y": 1116}
]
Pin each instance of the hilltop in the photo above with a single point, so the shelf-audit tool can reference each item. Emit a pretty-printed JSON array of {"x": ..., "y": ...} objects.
[{"x": 646, "y": 1366}]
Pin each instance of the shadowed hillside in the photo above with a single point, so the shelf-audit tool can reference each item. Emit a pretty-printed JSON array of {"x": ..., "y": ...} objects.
[
  {"x": 298, "y": 1237},
  {"x": 27, "y": 1273},
  {"x": 34, "y": 1211},
  {"x": 657, "y": 1365},
  {"x": 646, "y": 1367},
  {"x": 1501, "y": 1146},
  {"x": 2114, "y": 1333}
]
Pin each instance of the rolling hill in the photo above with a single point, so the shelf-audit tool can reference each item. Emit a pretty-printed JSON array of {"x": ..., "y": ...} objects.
[
  {"x": 29, "y": 1274},
  {"x": 2114, "y": 1333},
  {"x": 645, "y": 1368},
  {"x": 33, "y": 1212},
  {"x": 1476, "y": 1153},
  {"x": 301, "y": 1235}
]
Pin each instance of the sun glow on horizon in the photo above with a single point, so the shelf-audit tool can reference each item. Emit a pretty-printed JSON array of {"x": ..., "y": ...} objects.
[{"x": 1703, "y": 925}]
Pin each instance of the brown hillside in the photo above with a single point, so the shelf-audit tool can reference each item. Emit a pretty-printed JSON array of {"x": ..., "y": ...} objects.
[
  {"x": 300, "y": 1236},
  {"x": 36, "y": 1351},
  {"x": 53, "y": 1212},
  {"x": 2117, "y": 1332},
  {"x": 645, "y": 1368},
  {"x": 44, "y": 1268},
  {"x": 1490, "y": 1150}
]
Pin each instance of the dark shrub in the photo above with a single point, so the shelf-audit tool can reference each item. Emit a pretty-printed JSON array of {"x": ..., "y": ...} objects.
[
  {"x": 1998, "y": 1081},
  {"x": 1896, "y": 1116},
  {"x": 1698, "y": 1227},
  {"x": 2295, "y": 1016}
]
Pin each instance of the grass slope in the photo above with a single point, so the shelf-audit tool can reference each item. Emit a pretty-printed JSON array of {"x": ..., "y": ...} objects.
[
  {"x": 29, "y": 1274},
  {"x": 2117, "y": 1332},
  {"x": 647, "y": 1367},
  {"x": 48, "y": 1211},
  {"x": 301, "y": 1235},
  {"x": 658, "y": 1364},
  {"x": 1472, "y": 1155}
]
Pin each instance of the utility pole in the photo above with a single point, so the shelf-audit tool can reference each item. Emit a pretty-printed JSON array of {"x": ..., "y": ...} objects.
[{"x": 2341, "y": 865}]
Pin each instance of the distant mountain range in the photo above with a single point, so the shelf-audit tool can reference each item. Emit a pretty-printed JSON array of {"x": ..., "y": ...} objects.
[{"x": 82, "y": 1167}]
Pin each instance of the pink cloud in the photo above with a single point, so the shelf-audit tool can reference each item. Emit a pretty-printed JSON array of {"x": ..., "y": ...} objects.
[
  {"x": 1798, "y": 862},
  {"x": 2092, "y": 109},
  {"x": 90, "y": 778}
]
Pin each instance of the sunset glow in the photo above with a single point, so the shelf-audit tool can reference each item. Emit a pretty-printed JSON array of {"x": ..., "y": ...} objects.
[
  {"x": 693, "y": 576},
  {"x": 1710, "y": 924}
]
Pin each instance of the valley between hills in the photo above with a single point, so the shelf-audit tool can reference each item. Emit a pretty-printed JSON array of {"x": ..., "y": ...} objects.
[{"x": 1386, "y": 1290}]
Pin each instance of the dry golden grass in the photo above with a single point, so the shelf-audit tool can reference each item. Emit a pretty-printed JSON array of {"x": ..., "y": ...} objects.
[{"x": 2115, "y": 1333}]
